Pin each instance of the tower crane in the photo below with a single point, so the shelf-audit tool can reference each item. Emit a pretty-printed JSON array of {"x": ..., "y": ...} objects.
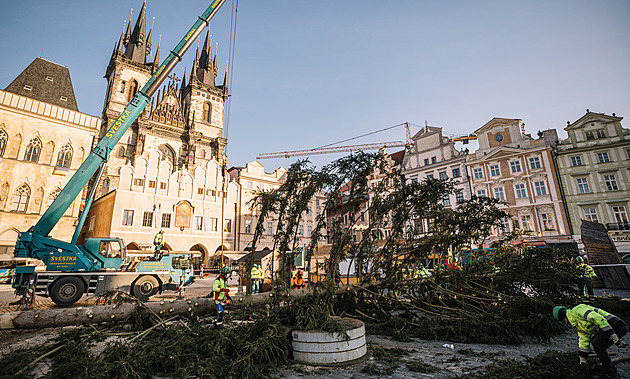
[{"x": 340, "y": 149}]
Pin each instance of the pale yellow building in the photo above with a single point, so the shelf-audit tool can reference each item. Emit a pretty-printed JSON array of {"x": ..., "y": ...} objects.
[{"x": 43, "y": 140}]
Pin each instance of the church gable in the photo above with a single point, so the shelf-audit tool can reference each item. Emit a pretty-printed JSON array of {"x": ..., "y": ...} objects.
[{"x": 168, "y": 110}]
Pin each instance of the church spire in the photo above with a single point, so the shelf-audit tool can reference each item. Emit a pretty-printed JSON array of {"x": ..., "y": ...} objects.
[
  {"x": 156, "y": 58},
  {"x": 149, "y": 38},
  {"x": 195, "y": 67},
  {"x": 206, "y": 71},
  {"x": 136, "y": 50},
  {"x": 121, "y": 40}
]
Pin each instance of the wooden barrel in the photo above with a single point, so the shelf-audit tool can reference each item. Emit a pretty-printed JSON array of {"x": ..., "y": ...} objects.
[{"x": 323, "y": 348}]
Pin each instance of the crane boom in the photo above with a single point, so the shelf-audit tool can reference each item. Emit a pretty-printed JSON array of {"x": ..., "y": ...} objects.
[
  {"x": 330, "y": 150},
  {"x": 131, "y": 112}
]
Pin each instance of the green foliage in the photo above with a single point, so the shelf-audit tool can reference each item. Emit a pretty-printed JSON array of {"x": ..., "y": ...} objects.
[
  {"x": 552, "y": 364},
  {"x": 422, "y": 367}
]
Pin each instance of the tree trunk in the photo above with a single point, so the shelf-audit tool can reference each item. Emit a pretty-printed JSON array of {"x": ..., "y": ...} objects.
[{"x": 54, "y": 317}]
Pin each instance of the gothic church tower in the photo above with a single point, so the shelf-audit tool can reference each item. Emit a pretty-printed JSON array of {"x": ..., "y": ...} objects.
[{"x": 184, "y": 123}]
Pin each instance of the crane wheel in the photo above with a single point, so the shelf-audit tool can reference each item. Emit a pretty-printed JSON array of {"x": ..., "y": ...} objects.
[
  {"x": 144, "y": 287},
  {"x": 67, "y": 290}
]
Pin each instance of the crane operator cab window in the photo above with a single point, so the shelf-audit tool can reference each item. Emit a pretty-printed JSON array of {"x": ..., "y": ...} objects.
[
  {"x": 110, "y": 249},
  {"x": 181, "y": 263}
]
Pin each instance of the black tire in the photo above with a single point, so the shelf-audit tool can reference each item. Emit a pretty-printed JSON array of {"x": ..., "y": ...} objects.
[
  {"x": 67, "y": 290},
  {"x": 144, "y": 287}
]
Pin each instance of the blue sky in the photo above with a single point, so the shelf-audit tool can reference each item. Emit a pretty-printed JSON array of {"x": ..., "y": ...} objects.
[{"x": 310, "y": 73}]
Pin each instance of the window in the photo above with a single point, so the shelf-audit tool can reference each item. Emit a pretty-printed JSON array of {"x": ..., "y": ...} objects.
[
  {"x": 63, "y": 98},
  {"x": 446, "y": 200},
  {"x": 590, "y": 135},
  {"x": 443, "y": 175},
  {"x": 515, "y": 166},
  {"x": 309, "y": 211},
  {"x": 628, "y": 153},
  {"x": 582, "y": 184},
  {"x": 603, "y": 157},
  {"x": 309, "y": 231},
  {"x": 139, "y": 182},
  {"x": 621, "y": 217},
  {"x": 611, "y": 183},
  {"x": 429, "y": 176},
  {"x": 601, "y": 133},
  {"x": 590, "y": 214},
  {"x": 121, "y": 152},
  {"x": 133, "y": 87},
  {"x": 207, "y": 112},
  {"x": 477, "y": 173},
  {"x": 65, "y": 156},
  {"x": 32, "y": 150},
  {"x": 481, "y": 193},
  {"x": 3, "y": 141},
  {"x": 494, "y": 170},
  {"x": 53, "y": 196},
  {"x": 269, "y": 227},
  {"x": 198, "y": 222},
  {"x": 459, "y": 197},
  {"x": 127, "y": 219},
  {"x": 456, "y": 173},
  {"x": 547, "y": 221},
  {"x": 520, "y": 191},
  {"x": 426, "y": 161},
  {"x": 499, "y": 193},
  {"x": 227, "y": 225},
  {"x": 166, "y": 221},
  {"x": 28, "y": 88},
  {"x": 162, "y": 185},
  {"x": 147, "y": 219},
  {"x": 301, "y": 231},
  {"x": 526, "y": 223},
  {"x": 504, "y": 226},
  {"x": 214, "y": 224},
  {"x": 433, "y": 159},
  {"x": 534, "y": 163},
  {"x": 199, "y": 191},
  {"x": 20, "y": 199},
  {"x": 49, "y": 78},
  {"x": 151, "y": 183},
  {"x": 541, "y": 188},
  {"x": 248, "y": 226},
  {"x": 576, "y": 161},
  {"x": 210, "y": 192}
]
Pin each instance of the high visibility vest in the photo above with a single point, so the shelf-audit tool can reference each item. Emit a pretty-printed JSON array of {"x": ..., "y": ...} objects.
[
  {"x": 589, "y": 320},
  {"x": 219, "y": 288},
  {"x": 157, "y": 240}
]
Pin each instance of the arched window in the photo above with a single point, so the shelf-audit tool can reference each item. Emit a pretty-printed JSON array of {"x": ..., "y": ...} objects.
[
  {"x": 207, "y": 112},
  {"x": 33, "y": 150},
  {"x": 53, "y": 196},
  {"x": 121, "y": 152},
  {"x": 133, "y": 87},
  {"x": 3, "y": 141},
  {"x": 20, "y": 199},
  {"x": 65, "y": 156}
]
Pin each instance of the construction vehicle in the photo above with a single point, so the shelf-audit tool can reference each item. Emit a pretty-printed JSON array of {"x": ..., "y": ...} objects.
[{"x": 98, "y": 265}]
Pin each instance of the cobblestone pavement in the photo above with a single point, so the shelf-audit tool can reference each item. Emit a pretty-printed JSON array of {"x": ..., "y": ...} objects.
[{"x": 461, "y": 359}]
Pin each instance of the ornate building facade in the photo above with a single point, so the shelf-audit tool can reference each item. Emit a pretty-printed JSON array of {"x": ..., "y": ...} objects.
[
  {"x": 594, "y": 164},
  {"x": 512, "y": 166},
  {"x": 168, "y": 170},
  {"x": 43, "y": 140}
]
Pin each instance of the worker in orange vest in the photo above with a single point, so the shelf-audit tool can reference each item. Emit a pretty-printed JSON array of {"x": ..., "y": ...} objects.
[{"x": 297, "y": 281}]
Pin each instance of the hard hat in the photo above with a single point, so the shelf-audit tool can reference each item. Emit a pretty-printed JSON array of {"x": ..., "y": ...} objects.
[
  {"x": 579, "y": 259},
  {"x": 560, "y": 313},
  {"x": 225, "y": 271}
]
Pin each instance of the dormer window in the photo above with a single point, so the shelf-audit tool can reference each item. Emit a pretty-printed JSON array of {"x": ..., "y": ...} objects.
[
  {"x": 63, "y": 98},
  {"x": 49, "y": 78},
  {"x": 27, "y": 87}
]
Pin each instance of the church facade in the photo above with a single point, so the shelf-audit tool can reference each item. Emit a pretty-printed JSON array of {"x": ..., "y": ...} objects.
[{"x": 169, "y": 169}]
